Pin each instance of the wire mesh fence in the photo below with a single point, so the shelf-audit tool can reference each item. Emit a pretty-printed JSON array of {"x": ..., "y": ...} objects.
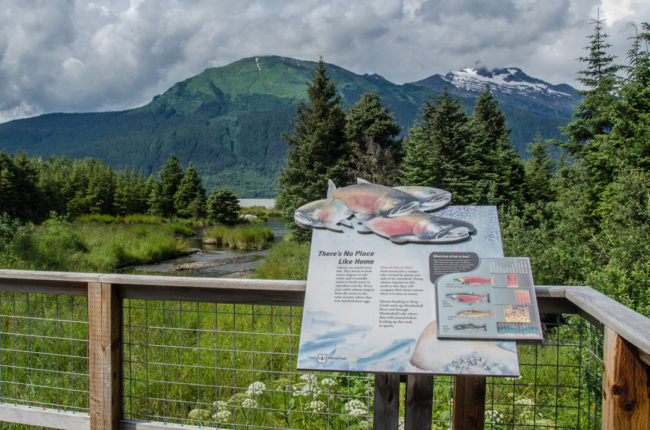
[
  {"x": 44, "y": 351},
  {"x": 234, "y": 366}
]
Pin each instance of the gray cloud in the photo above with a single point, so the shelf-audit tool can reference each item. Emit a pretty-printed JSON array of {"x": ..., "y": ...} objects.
[{"x": 87, "y": 56}]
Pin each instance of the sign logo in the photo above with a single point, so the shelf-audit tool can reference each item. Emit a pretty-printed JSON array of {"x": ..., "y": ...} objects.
[{"x": 321, "y": 358}]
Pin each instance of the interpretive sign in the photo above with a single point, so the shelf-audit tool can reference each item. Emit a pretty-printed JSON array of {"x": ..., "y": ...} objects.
[
  {"x": 370, "y": 303},
  {"x": 493, "y": 298}
]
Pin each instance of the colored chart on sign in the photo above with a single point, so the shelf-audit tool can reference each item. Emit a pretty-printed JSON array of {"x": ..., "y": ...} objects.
[{"x": 493, "y": 299}]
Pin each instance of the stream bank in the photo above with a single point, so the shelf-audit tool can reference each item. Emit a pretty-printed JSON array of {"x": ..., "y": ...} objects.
[{"x": 211, "y": 261}]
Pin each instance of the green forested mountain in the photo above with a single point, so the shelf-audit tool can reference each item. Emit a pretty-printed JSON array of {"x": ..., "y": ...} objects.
[{"x": 228, "y": 121}]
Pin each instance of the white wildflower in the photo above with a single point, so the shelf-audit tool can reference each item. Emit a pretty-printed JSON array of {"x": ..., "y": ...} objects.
[
  {"x": 494, "y": 416},
  {"x": 364, "y": 425},
  {"x": 299, "y": 392},
  {"x": 308, "y": 387},
  {"x": 356, "y": 408},
  {"x": 328, "y": 382},
  {"x": 249, "y": 403},
  {"x": 220, "y": 405},
  {"x": 255, "y": 388},
  {"x": 222, "y": 416},
  {"x": 400, "y": 423},
  {"x": 199, "y": 414},
  {"x": 317, "y": 406}
]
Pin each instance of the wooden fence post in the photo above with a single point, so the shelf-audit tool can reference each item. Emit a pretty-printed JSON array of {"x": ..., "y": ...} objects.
[
  {"x": 419, "y": 402},
  {"x": 104, "y": 356},
  {"x": 386, "y": 402},
  {"x": 626, "y": 385},
  {"x": 469, "y": 402}
]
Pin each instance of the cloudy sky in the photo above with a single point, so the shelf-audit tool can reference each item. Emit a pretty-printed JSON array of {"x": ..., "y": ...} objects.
[{"x": 79, "y": 56}]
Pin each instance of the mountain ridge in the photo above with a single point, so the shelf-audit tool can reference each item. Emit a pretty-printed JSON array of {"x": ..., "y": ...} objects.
[{"x": 229, "y": 120}]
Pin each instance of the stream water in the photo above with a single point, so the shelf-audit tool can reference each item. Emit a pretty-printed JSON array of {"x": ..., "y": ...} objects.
[{"x": 211, "y": 261}]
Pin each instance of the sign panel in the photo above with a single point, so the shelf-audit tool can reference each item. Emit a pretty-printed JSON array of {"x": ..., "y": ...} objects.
[
  {"x": 370, "y": 303},
  {"x": 490, "y": 299}
]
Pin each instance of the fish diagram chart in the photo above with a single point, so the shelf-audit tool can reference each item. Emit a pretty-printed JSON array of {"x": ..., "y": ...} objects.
[{"x": 494, "y": 301}]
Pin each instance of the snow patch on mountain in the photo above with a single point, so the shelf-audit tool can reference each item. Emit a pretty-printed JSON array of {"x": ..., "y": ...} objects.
[{"x": 508, "y": 81}]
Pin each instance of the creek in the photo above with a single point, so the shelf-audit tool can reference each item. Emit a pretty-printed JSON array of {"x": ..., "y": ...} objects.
[{"x": 211, "y": 261}]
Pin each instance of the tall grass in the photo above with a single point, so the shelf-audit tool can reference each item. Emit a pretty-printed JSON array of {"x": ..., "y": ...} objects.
[
  {"x": 286, "y": 260},
  {"x": 92, "y": 246},
  {"x": 243, "y": 236}
]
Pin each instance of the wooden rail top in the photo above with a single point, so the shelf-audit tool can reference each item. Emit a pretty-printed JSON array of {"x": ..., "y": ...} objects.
[{"x": 596, "y": 307}]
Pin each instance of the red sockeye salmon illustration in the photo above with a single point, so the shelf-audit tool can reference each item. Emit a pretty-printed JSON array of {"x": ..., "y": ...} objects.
[
  {"x": 430, "y": 198},
  {"x": 420, "y": 227},
  {"x": 469, "y": 298},
  {"x": 368, "y": 200},
  {"x": 475, "y": 280}
]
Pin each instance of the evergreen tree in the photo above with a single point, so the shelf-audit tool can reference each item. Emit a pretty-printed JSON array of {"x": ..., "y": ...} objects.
[
  {"x": 495, "y": 172},
  {"x": 318, "y": 149},
  {"x": 189, "y": 199},
  {"x": 162, "y": 197},
  {"x": 223, "y": 207},
  {"x": 599, "y": 61},
  {"x": 539, "y": 173},
  {"x": 372, "y": 133},
  {"x": 416, "y": 167},
  {"x": 436, "y": 147},
  {"x": 592, "y": 114}
]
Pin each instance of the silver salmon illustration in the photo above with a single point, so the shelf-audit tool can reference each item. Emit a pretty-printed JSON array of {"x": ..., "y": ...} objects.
[
  {"x": 327, "y": 213},
  {"x": 430, "y": 198},
  {"x": 368, "y": 200},
  {"x": 421, "y": 227}
]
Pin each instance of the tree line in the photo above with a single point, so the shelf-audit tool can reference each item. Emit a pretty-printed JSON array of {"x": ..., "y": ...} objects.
[
  {"x": 582, "y": 217},
  {"x": 31, "y": 189}
]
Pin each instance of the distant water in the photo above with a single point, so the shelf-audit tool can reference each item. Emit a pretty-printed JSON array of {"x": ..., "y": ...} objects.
[{"x": 267, "y": 203}]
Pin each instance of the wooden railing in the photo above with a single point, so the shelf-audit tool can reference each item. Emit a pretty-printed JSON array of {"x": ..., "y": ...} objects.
[{"x": 625, "y": 389}]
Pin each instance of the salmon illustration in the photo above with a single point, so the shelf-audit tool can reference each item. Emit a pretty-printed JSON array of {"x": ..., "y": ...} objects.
[
  {"x": 420, "y": 227},
  {"x": 430, "y": 198},
  {"x": 470, "y": 327},
  {"x": 475, "y": 280},
  {"x": 474, "y": 313},
  {"x": 328, "y": 213},
  {"x": 469, "y": 298},
  {"x": 369, "y": 200}
]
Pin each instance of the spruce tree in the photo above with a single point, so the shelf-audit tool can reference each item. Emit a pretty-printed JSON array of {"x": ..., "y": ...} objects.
[
  {"x": 416, "y": 168},
  {"x": 162, "y": 197},
  {"x": 435, "y": 150},
  {"x": 592, "y": 115},
  {"x": 223, "y": 207},
  {"x": 318, "y": 149},
  {"x": 372, "y": 133},
  {"x": 539, "y": 172},
  {"x": 189, "y": 199},
  {"x": 495, "y": 174}
]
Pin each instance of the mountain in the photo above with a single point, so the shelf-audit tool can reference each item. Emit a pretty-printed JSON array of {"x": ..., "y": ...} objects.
[
  {"x": 229, "y": 121},
  {"x": 512, "y": 87}
]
